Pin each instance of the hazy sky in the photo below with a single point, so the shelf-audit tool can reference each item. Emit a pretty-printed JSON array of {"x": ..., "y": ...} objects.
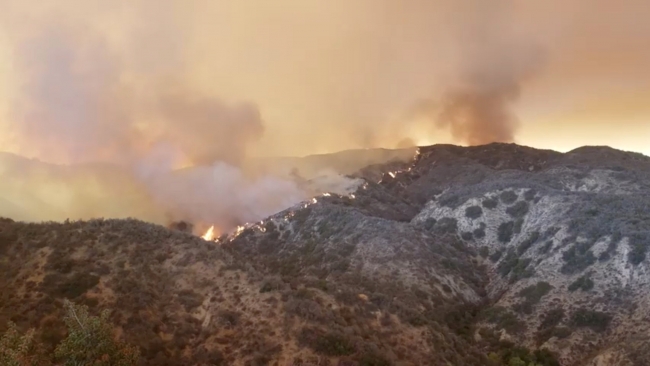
[{"x": 100, "y": 78}]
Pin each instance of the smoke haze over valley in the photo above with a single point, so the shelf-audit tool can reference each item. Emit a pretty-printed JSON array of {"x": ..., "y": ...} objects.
[{"x": 149, "y": 87}]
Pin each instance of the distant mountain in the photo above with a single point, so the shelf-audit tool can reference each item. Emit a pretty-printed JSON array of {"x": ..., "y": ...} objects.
[{"x": 458, "y": 256}]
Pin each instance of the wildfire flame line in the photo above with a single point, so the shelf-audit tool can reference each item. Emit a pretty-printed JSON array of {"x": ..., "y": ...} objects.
[{"x": 209, "y": 235}]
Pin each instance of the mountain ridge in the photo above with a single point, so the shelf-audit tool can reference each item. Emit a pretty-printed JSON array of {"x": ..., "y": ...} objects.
[{"x": 439, "y": 260}]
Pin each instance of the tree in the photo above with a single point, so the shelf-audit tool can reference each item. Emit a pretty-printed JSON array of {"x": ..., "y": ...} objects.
[
  {"x": 90, "y": 341},
  {"x": 20, "y": 350}
]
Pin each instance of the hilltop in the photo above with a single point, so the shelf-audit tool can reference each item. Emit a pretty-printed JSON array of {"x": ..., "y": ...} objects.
[{"x": 443, "y": 259}]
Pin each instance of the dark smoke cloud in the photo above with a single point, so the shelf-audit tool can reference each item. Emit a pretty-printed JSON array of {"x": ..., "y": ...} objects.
[{"x": 494, "y": 61}]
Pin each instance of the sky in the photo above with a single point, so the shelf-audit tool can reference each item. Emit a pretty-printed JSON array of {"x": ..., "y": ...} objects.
[
  {"x": 157, "y": 85},
  {"x": 325, "y": 75}
]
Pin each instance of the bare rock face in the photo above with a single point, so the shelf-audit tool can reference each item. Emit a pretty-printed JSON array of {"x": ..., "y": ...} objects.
[{"x": 461, "y": 256}]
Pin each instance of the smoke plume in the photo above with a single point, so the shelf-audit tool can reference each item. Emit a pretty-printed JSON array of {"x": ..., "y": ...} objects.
[
  {"x": 121, "y": 142},
  {"x": 494, "y": 60}
]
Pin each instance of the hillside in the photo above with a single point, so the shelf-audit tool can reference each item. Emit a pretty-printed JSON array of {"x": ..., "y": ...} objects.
[{"x": 459, "y": 253}]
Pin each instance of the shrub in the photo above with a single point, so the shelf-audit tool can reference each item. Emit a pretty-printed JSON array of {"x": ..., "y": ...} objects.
[
  {"x": 190, "y": 299},
  {"x": 20, "y": 350},
  {"x": 473, "y": 212},
  {"x": 529, "y": 195},
  {"x": 552, "y": 318},
  {"x": 520, "y": 209},
  {"x": 596, "y": 320},
  {"x": 329, "y": 344},
  {"x": 546, "y": 247},
  {"x": 372, "y": 359},
  {"x": 467, "y": 235},
  {"x": 68, "y": 286},
  {"x": 271, "y": 284},
  {"x": 519, "y": 223},
  {"x": 577, "y": 258},
  {"x": 611, "y": 247},
  {"x": 490, "y": 203},
  {"x": 514, "y": 266},
  {"x": 583, "y": 283},
  {"x": 429, "y": 223},
  {"x": 484, "y": 251},
  {"x": 479, "y": 233},
  {"x": 446, "y": 225},
  {"x": 637, "y": 254},
  {"x": 90, "y": 341},
  {"x": 496, "y": 255},
  {"x": 508, "y": 197},
  {"x": 504, "y": 319},
  {"x": 526, "y": 244},
  {"x": 534, "y": 293},
  {"x": 504, "y": 232}
]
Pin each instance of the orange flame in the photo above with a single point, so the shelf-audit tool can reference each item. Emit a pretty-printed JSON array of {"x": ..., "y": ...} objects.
[{"x": 209, "y": 235}]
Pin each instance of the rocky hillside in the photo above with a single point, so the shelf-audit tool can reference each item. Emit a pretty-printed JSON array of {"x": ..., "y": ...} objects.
[{"x": 458, "y": 254}]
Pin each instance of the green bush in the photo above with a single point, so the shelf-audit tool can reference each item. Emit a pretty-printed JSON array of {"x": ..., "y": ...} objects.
[
  {"x": 89, "y": 342},
  {"x": 20, "y": 350}
]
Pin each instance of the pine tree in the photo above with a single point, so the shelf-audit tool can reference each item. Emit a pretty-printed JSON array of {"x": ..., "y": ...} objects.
[{"x": 90, "y": 341}]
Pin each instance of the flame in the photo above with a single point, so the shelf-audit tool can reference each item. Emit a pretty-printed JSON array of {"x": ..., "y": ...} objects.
[
  {"x": 209, "y": 235},
  {"x": 326, "y": 194},
  {"x": 239, "y": 230},
  {"x": 391, "y": 174}
]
